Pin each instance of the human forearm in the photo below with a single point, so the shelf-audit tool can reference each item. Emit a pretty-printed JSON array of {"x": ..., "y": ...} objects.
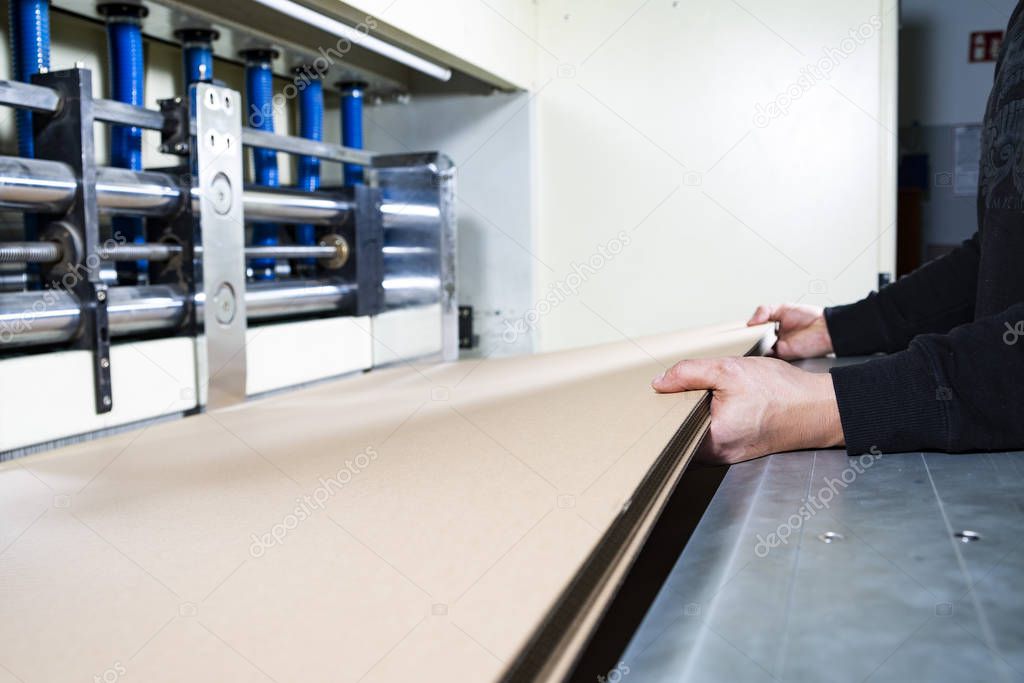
[
  {"x": 962, "y": 391},
  {"x": 933, "y": 299}
]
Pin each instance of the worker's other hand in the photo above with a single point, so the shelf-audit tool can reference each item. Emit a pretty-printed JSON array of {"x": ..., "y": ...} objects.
[
  {"x": 802, "y": 331},
  {"x": 759, "y": 406}
]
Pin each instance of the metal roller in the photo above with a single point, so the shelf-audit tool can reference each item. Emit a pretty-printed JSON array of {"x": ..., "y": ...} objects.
[
  {"x": 49, "y": 187},
  {"x": 336, "y": 252},
  {"x": 34, "y": 185},
  {"x": 291, "y": 206},
  {"x": 52, "y": 317},
  {"x": 139, "y": 193}
]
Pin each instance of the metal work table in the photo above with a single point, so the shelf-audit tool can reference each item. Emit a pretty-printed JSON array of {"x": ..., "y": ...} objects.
[{"x": 873, "y": 584}]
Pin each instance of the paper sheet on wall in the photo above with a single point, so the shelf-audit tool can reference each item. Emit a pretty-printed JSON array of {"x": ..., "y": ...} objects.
[{"x": 966, "y": 160}]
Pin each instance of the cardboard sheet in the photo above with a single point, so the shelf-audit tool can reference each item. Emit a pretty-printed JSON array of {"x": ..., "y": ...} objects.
[{"x": 413, "y": 523}]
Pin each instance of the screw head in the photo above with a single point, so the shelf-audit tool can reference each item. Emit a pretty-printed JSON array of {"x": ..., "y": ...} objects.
[
  {"x": 220, "y": 194},
  {"x": 104, "y": 363},
  {"x": 830, "y": 537},
  {"x": 224, "y": 304},
  {"x": 101, "y": 295}
]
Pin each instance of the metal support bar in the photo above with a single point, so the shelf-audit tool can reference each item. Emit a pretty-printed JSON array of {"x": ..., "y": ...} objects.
[
  {"x": 293, "y": 145},
  {"x": 43, "y": 99},
  {"x": 217, "y": 154},
  {"x": 122, "y": 113},
  {"x": 36, "y": 98},
  {"x": 68, "y": 137}
]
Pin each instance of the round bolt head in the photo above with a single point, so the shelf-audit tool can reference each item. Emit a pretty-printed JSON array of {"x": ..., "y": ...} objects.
[
  {"x": 342, "y": 252},
  {"x": 220, "y": 194},
  {"x": 967, "y": 536},
  {"x": 224, "y": 304},
  {"x": 104, "y": 363}
]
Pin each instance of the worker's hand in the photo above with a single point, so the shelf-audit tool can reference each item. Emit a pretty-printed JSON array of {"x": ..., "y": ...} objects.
[
  {"x": 759, "y": 406},
  {"x": 802, "y": 330}
]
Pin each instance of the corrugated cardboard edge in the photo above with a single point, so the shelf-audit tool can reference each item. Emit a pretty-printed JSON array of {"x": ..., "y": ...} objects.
[{"x": 552, "y": 651}]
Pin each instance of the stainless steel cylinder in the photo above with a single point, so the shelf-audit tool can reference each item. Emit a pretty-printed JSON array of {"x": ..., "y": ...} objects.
[
  {"x": 282, "y": 205},
  {"x": 139, "y": 193},
  {"x": 41, "y": 186},
  {"x": 52, "y": 316},
  {"x": 35, "y": 185},
  {"x": 49, "y": 252}
]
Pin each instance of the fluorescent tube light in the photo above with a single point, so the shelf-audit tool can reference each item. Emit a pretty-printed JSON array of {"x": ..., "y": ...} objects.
[{"x": 322, "y": 21}]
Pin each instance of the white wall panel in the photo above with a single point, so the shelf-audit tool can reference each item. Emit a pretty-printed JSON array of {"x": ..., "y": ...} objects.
[
  {"x": 50, "y": 396},
  {"x": 654, "y": 120}
]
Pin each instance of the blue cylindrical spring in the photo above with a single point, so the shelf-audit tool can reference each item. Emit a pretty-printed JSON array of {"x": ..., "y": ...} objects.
[
  {"x": 352, "y": 126},
  {"x": 259, "y": 88},
  {"x": 30, "y": 53},
  {"x": 127, "y": 84},
  {"x": 198, "y": 57},
  {"x": 197, "y": 62},
  {"x": 311, "y": 126}
]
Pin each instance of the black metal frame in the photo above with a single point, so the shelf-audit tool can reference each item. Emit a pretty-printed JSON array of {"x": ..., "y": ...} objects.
[
  {"x": 366, "y": 236},
  {"x": 67, "y": 135}
]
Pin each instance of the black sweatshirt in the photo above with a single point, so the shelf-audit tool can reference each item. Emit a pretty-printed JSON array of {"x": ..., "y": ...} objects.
[{"x": 955, "y": 327}]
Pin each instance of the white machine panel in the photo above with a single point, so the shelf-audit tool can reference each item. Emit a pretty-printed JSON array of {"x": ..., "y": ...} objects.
[{"x": 149, "y": 379}]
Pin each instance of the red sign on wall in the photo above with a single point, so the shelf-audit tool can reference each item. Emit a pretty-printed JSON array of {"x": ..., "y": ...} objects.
[{"x": 985, "y": 46}]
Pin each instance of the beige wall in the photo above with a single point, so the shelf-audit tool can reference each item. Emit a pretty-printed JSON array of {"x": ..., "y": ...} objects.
[
  {"x": 646, "y": 123},
  {"x": 649, "y": 128}
]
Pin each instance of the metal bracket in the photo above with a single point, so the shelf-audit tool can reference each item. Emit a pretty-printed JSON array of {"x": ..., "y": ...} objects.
[
  {"x": 217, "y": 157},
  {"x": 467, "y": 338},
  {"x": 174, "y": 137},
  {"x": 67, "y": 136},
  {"x": 366, "y": 235},
  {"x": 181, "y": 228}
]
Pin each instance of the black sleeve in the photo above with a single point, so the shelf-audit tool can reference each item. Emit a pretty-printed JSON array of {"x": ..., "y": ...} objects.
[
  {"x": 962, "y": 391},
  {"x": 934, "y": 298}
]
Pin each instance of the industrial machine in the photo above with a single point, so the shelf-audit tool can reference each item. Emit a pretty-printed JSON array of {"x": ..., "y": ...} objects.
[{"x": 139, "y": 293}]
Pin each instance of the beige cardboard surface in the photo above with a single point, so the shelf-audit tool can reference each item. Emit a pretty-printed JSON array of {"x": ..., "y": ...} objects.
[{"x": 411, "y": 523}]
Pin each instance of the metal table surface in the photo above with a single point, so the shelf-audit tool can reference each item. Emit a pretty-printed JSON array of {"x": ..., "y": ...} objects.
[{"x": 898, "y": 596}]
